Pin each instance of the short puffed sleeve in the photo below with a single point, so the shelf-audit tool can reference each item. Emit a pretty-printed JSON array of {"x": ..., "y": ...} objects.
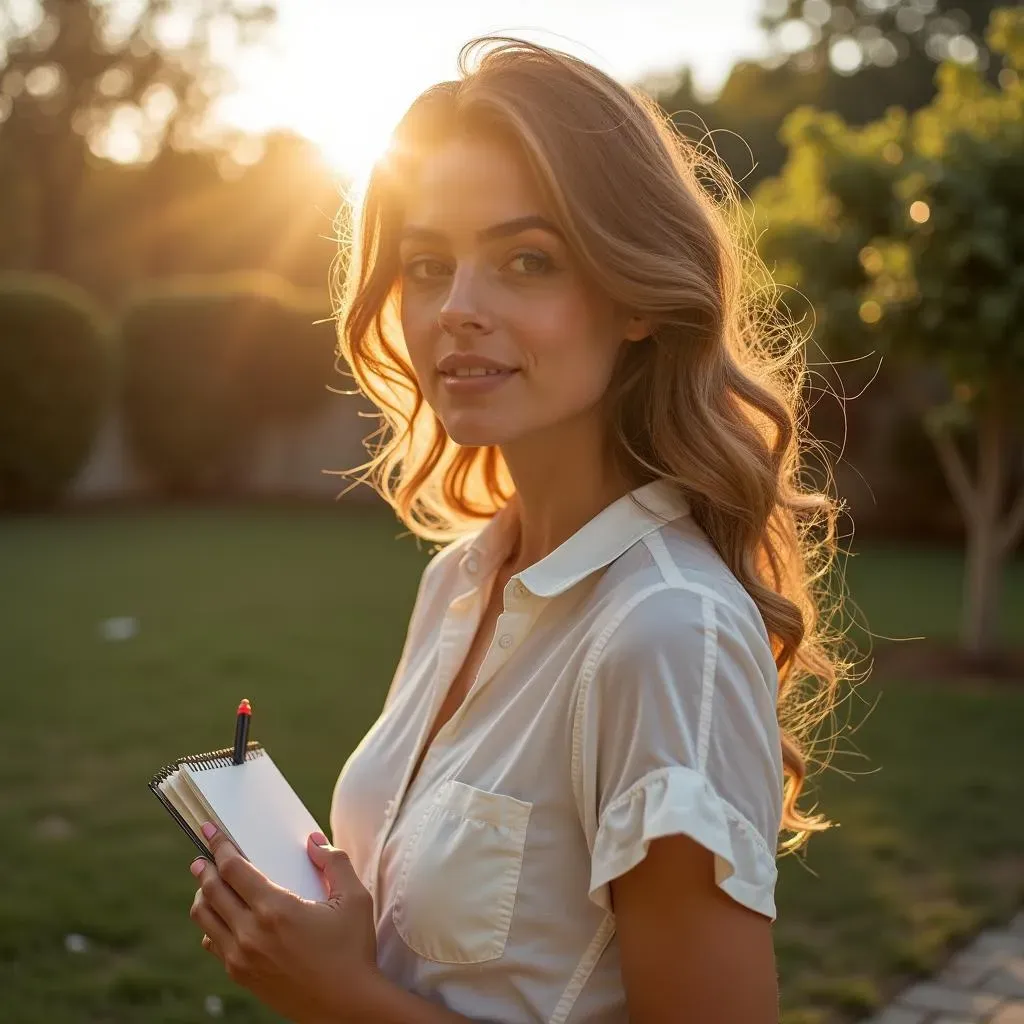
[{"x": 676, "y": 732}]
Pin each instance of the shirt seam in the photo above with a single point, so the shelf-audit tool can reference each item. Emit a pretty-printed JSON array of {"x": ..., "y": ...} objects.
[
  {"x": 707, "y": 683},
  {"x": 584, "y": 969},
  {"x": 674, "y": 576}
]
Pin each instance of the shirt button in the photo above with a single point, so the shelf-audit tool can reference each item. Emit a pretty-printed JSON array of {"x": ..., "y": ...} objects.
[
  {"x": 472, "y": 565},
  {"x": 506, "y": 640}
]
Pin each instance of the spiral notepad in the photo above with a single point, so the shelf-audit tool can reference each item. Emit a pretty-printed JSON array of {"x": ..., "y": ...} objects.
[{"x": 252, "y": 804}]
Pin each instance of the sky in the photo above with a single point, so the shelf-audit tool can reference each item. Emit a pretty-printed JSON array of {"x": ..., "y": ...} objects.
[{"x": 343, "y": 71}]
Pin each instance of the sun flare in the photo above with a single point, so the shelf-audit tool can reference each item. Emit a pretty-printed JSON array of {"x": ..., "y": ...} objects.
[
  {"x": 347, "y": 102},
  {"x": 352, "y": 139},
  {"x": 342, "y": 75}
]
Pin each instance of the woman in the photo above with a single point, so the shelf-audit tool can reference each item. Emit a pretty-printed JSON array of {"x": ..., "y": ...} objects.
[{"x": 569, "y": 807}]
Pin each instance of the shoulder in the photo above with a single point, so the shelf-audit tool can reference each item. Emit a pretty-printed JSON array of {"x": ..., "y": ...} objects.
[{"x": 672, "y": 601}]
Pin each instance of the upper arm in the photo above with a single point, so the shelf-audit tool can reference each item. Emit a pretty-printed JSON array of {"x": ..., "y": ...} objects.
[
  {"x": 689, "y": 951},
  {"x": 681, "y": 768}
]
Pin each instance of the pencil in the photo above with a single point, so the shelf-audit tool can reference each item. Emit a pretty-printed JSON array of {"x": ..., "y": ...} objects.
[{"x": 241, "y": 731}]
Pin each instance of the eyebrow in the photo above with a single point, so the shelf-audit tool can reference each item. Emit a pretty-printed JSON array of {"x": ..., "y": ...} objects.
[{"x": 503, "y": 230}]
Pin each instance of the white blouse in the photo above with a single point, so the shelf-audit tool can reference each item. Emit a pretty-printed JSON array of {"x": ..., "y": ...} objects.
[{"x": 628, "y": 693}]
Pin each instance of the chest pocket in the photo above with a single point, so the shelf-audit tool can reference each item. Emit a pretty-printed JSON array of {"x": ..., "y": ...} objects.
[{"x": 460, "y": 873}]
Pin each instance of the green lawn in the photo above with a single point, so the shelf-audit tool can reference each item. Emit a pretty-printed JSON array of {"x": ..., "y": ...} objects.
[{"x": 304, "y": 611}]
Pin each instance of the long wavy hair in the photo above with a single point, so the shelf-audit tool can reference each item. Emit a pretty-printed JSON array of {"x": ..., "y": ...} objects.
[{"x": 712, "y": 401}]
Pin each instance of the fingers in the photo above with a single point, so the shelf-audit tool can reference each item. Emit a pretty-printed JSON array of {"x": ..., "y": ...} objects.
[
  {"x": 236, "y": 927},
  {"x": 217, "y": 931},
  {"x": 218, "y": 895},
  {"x": 250, "y": 885},
  {"x": 339, "y": 873}
]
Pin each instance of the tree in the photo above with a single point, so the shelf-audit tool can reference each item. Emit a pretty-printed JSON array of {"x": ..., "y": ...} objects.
[
  {"x": 880, "y": 51},
  {"x": 924, "y": 25},
  {"x": 855, "y": 57},
  {"x": 741, "y": 123},
  {"x": 907, "y": 237},
  {"x": 81, "y": 73}
]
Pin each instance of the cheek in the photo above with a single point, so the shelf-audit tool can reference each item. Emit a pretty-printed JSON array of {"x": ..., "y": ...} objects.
[
  {"x": 419, "y": 331},
  {"x": 571, "y": 352}
]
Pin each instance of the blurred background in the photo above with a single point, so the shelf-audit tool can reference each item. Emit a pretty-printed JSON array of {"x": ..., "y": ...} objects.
[{"x": 175, "y": 534}]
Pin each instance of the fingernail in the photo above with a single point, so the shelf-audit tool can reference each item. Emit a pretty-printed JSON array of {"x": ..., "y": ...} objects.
[
  {"x": 196, "y": 867},
  {"x": 209, "y": 829},
  {"x": 319, "y": 838}
]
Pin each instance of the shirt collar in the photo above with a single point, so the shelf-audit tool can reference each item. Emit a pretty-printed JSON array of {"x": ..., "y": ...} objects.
[{"x": 613, "y": 531}]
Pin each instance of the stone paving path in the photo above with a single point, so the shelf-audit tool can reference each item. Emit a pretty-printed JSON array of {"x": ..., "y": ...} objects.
[{"x": 982, "y": 984}]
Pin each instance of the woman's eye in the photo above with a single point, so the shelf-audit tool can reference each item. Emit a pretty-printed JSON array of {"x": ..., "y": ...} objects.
[
  {"x": 533, "y": 262},
  {"x": 530, "y": 264},
  {"x": 429, "y": 264}
]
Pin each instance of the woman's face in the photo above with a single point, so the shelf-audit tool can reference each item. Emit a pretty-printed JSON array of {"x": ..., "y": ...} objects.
[{"x": 487, "y": 279}]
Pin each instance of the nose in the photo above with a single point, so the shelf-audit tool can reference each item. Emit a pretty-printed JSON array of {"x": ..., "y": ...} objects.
[{"x": 462, "y": 311}]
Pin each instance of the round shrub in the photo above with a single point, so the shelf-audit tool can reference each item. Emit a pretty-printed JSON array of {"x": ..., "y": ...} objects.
[
  {"x": 56, "y": 378},
  {"x": 209, "y": 365},
  {"x": 289, "y": 362}
]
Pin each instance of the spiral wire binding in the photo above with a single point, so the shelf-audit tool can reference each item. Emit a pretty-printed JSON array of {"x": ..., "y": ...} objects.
[{"x": 221, "y": 758}]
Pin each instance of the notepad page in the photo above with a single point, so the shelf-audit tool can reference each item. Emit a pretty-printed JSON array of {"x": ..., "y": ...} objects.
[
  {"x": 185, "y": 801},
  {"x": 267, "y": 819}
]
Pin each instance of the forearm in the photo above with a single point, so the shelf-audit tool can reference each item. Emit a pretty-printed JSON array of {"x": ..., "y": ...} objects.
[{"x": 388, "y": 1003}]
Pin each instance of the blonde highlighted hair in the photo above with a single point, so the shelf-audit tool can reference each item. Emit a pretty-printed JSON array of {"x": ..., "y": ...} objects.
[{"x": 711, "y": 402}]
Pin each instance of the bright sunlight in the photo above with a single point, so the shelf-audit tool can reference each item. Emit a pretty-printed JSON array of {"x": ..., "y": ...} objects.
[{"x": 343, "y": 77}]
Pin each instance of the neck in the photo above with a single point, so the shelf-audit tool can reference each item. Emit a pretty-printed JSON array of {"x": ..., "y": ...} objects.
[{"x": 561, "y": 484}]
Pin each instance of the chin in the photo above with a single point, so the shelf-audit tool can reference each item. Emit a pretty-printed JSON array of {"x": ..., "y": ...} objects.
[{"x": 477, "y": 433}]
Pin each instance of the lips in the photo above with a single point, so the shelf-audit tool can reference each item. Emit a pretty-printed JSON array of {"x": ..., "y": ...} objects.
[
  {"x": 456, "y": 361},
  {"x": 475, "y": 384}
]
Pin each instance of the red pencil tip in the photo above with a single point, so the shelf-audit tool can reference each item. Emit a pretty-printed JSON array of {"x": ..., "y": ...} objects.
[{"x": 244, "y": 708}]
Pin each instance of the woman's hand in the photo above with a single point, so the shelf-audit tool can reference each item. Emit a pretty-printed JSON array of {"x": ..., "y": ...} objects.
[{"x": 311, "y": 962}]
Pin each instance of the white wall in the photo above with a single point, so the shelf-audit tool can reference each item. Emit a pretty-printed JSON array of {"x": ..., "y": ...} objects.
[{"x": 288, "y": 462}]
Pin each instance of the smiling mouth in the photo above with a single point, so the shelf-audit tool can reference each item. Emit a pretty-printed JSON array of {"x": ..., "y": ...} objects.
[{"x": 476, "y": 372}]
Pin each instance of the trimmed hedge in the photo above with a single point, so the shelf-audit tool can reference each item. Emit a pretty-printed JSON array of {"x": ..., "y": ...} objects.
[
  {"x": 56, "y": 382},
  {"x": 209, "y": 365}
]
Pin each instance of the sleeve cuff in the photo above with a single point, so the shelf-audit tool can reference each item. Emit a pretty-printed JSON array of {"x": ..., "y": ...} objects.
[{"x": 679, "y": 800}]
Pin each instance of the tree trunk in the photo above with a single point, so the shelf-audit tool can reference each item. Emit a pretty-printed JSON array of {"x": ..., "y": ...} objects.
[
  {"x": 982, "y": 580},
  {"x": 981, "y": 498},
  {"x": 985, "y": 551}
]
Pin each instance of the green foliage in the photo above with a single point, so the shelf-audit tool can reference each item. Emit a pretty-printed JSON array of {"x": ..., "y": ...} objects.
[
  {"x": 56, "y": 372},
  {"x": 907, "y": 235},
  {"x": 212, "y": 363},
  {"x": 899, "y": 42},
  {"x": 1006, "y": 35},
  {"x": 906, "y": 239}
]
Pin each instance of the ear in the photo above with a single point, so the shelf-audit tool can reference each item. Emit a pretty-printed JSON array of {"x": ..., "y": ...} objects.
[{"x": 638, "y": 328}]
